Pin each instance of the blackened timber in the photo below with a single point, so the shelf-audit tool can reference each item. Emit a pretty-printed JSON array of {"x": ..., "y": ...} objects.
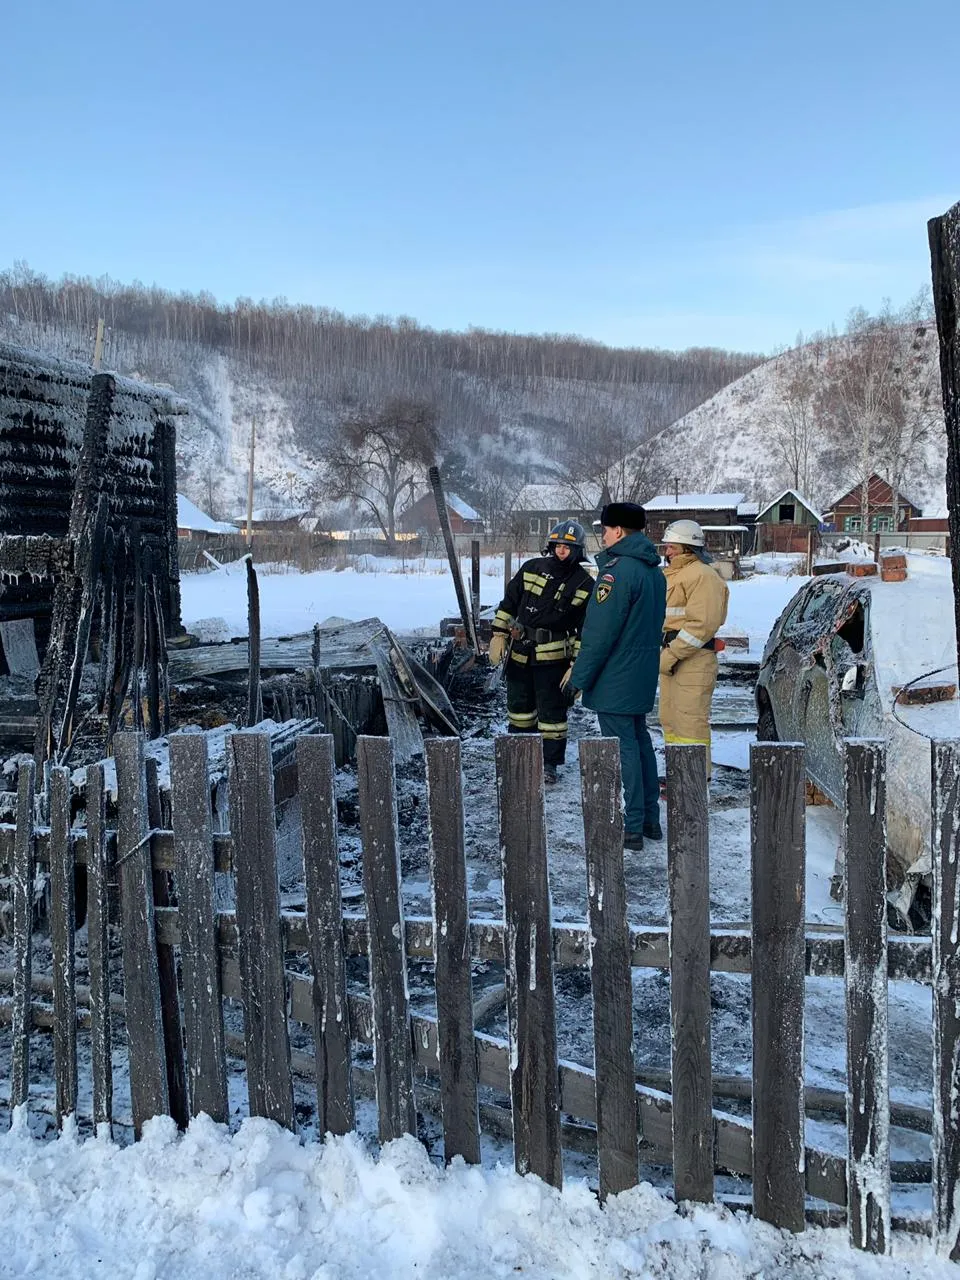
[
  {"x": 865, "y": 905},
  {"x": 199, "y": 952},
  {"x": 531, "y": 1003},
  {"x": 777, "y": 874},
  {"x": 167, "y": 970},
  {"x": 98, "y": 947},
  {"x": 451, "y": 940},
  {"x": 944, "y": 235},
  {"x": 254, "y": 710},
  {"x": 688, "y": 873},
  {"x": 600, "y": 787},
  {"x": 393, "y": 1050},
  {"x": 252, "y": 824},
  {"x": 62, "y": 925},
  {"x": 321, "y": 865},
  {"x": 443, "y": 519},
  {"x": 149, "y": 1089},
  {"x": 22, "y": 934},
  {"x": 945, "y": 787}
]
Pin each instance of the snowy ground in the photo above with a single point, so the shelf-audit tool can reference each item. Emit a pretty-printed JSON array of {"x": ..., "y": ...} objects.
[{"x": 257, "y": 1202}]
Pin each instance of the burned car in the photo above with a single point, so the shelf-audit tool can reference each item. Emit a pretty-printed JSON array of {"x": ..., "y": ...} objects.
[{"x": 860, "y": 657}]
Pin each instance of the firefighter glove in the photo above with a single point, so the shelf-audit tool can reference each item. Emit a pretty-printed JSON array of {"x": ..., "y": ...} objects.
[
  {"x": 668, "y": 661},
  {"x": 498, "y": 648}
]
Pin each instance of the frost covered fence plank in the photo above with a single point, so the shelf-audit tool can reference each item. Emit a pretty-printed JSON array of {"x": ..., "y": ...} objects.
[
  {"x": 316, "y": 767},
  {"x": 23, "y": 852},
  {"x": 260, "y": 942},
  {"x": 392, "y": 1044},
  {"x": 945, "y": 767},
  {"x": 167, "y": 970},
  {"x": 531, "y": 1003},
  {"x": 98, "y": 948},
  {"x": 206, "y": 1070},
  {"x": 62, "y": 940},
  {"x": 688, "y": 873},
  {"x": 149, "y": 1091},
  {"x": 865, "y": 905},
  {"x": 611, "y": 979},
  {"x": 451, "y": 939},
  {"x": 777, "y": 856}
]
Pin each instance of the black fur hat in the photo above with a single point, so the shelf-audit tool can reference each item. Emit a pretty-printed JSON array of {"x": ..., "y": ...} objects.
[{"x": 626, "y": 515}]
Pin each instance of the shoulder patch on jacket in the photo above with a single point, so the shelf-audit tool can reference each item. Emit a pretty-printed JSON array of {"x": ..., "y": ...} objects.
[
  {"x": 607, "y": 577},
  {"x": 603, "y": 590}
]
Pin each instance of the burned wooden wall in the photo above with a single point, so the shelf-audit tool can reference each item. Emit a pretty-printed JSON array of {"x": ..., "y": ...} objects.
[{"x": 68, "y": 435}]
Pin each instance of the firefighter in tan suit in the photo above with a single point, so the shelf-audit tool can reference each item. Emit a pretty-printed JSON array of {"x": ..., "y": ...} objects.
[{"x": 696, "y": 609}]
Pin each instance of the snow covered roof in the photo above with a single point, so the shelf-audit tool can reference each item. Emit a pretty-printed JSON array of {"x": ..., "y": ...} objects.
[
  {"x": 748, "y": 508},
  {"x": 792, "y": 493},
  {"x": 189, "y": 516},
  {"x": 463, "y": 509},
  {"x": 558, "y": 498},
  {"x": 694, "y": 501}
]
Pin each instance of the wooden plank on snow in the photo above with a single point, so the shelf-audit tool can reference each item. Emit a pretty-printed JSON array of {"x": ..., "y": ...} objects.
[
  {"x": 321, "y": 865},
  {"x": 253, "y": 826},
  {"x": 945, "y": 766},
  {"x": 149, "y": 1092},
  {"x": 451, "y": 940},
  {"x": 393, "y": 1050},
  {"x": 98, "y": 948},
  {"x": 22, "y": 934},
  {"x": 865, "y": 906},
  {"x": 531, "y": 1007},
  {"x": 62, "y": 926},
  {"x": 777, "y": 872},
  {"x": 688, "y": 873},
  {"x": 206, "y": 1068},
  {"x": 600, "y": 786}
]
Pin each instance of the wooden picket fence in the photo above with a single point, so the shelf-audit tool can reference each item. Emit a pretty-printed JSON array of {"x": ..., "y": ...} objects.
[{"x": 178, "y": 1045}]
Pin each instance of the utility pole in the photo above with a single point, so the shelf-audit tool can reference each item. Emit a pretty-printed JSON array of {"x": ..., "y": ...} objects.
[
  {"x": 98, "y": 345},
  {"x": 253, "y": 450}
]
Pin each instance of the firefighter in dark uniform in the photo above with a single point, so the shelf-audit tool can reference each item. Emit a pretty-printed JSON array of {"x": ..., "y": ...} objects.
[{"x": 537, "y": 626}]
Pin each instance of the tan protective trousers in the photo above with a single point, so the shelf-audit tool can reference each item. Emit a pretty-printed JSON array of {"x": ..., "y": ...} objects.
[{"x": 685, "y": 697}]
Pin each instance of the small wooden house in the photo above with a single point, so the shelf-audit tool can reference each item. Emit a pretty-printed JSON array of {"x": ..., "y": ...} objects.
[
  {"x": 539, "y": 507},
  {"x": 726, "y": 518},
  {"x": 886, "y": 512},
  {"x": 196, "y": 524},
  {"x": 423, "y": 516},
  {"x": 787, "y": 523}
]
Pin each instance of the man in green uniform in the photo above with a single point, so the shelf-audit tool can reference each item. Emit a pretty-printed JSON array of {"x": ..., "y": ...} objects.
[
  {"x": 619, "y": 659},
  {"x": 539, "y": 619}
]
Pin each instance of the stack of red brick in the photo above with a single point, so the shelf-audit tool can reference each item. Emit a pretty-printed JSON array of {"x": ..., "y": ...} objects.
[{"x": 893, "y": 566}]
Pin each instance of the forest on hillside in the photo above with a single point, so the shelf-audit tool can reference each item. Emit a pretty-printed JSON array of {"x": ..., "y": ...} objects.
[{"x": 526, "y": 407}]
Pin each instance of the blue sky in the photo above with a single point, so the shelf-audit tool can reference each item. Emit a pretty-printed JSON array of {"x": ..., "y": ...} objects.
[{"x": 664, "y": 175}]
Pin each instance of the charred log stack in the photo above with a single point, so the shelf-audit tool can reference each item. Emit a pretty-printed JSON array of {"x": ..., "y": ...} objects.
[{"x": 89, "y": 488}]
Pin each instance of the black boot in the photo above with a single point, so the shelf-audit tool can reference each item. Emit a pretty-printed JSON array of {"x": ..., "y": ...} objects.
[
  {"x": 652, "y": 829},
  {"x": 633, "y": 840}
]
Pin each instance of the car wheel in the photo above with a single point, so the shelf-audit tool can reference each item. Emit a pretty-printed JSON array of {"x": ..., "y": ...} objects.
[{"x": 766, "y": 725}]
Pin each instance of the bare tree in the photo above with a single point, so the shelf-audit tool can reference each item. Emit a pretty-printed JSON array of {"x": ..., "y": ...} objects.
[
  {"x": 376, "y": 460},
  {"x": 793, "y": 428}
]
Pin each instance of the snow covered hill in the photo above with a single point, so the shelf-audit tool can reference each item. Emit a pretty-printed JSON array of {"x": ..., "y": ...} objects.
[{"x": 730, "y": 441}]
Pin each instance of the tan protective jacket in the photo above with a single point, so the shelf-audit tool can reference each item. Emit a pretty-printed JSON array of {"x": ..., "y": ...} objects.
[{"x": 696, "y": 604}]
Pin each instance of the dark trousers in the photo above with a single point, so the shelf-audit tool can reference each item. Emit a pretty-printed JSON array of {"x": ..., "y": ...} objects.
[
  {"x": 638, "y": 764},
  {"x": 536, "y": 704}
]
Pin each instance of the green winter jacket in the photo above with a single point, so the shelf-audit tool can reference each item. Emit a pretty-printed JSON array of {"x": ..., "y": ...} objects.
[{"x": 619, "y": 657}]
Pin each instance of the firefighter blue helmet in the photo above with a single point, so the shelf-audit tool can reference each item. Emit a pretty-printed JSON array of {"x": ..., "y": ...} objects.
[{"x": 568, "y": 533}]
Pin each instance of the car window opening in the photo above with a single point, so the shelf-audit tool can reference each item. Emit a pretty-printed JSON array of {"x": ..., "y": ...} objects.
[{"x": 853, "y": 630}]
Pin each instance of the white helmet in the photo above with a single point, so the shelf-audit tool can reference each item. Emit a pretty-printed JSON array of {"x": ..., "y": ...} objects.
[{"x": 686, "y": 532}]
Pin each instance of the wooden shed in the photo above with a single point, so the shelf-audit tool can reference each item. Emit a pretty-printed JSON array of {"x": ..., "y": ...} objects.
[
  {"x": 422, "y": 515},
  {"x": 787, "y": 523},
  {"x": 726, "y": 518}
]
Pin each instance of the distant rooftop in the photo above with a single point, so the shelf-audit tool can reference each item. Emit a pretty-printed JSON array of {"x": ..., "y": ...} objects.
[
  {"x": 189, "y": 516},
  {"x": 695, "y": 502}
]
